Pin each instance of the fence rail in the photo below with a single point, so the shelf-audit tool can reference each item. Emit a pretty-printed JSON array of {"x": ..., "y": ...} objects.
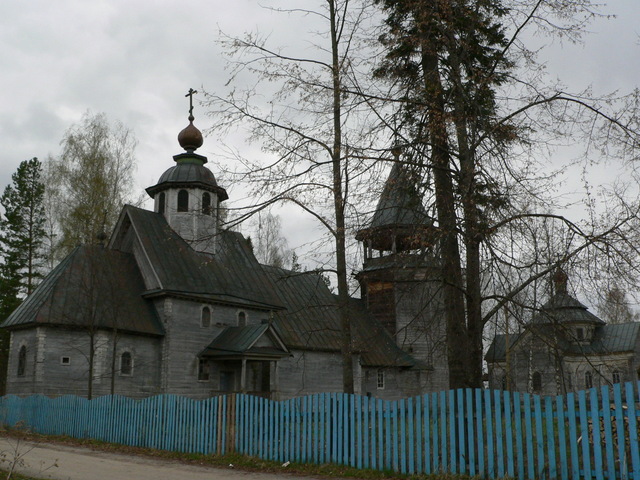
[{"x": 592, "y": 434}]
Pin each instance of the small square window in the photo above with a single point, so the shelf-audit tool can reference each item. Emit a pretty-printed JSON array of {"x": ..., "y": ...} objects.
[{"x": 65, "y": 360}]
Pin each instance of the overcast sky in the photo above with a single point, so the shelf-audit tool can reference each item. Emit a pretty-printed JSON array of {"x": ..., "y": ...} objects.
[{"x": 134, "y": 60}]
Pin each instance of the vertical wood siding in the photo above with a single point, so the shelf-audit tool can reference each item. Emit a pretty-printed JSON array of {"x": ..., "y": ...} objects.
[{"x": 591, "y": 434}]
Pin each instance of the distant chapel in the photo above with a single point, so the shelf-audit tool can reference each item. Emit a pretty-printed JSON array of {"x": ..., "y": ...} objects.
[
  {"x": 174, "y": 303},
  {"x": 564, "y": 348}
]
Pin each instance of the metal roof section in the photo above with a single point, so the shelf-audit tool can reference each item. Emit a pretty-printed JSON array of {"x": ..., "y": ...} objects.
[
  {"x": 232, "y": 275},
  {"x": 92, "y": 287},
  {"x": 498, "y": 349},
  {"x": 614, "y": 338},
  {"x": 238, "y": 342},
  {"x": 311, "y": 320},
  {"x": 608, "y": 339}
]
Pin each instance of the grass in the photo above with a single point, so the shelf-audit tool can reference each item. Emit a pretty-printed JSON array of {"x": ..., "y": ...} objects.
[
  {"x": 16, "y": 476},
  {"x": 233, "y": 460}
]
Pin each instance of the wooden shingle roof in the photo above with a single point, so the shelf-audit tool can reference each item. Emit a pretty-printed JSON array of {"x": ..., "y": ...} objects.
[
  {"x": 311, "y": 320},
  {"x": 93, "y": 287},
  {"x": 232, "y": 275}
]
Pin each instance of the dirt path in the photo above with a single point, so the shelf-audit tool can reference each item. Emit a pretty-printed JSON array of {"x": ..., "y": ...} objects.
[{"x": 77, "y": 463}]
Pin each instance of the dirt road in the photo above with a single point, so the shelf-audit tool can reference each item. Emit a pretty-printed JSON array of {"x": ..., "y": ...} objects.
[{"x": 76, "y": 463}]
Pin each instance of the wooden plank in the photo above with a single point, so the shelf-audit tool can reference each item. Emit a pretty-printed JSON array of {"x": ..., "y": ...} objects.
[
  {"x": 394, "y": 433},
  {"x": 451, "y": 410},
  {"x": 508, "y": 433},
  {"x": 620, "y": 434},
  {"x": 367, "y": 428},
  {"x": 562, "y": 438},
  {"x": 426, "y": 433},
  {"x": 517, "y": 413},
  {"x": 358, "y": 421},
  {"x": 416, "y": 423},
  {"x": 595, "y": 434},
  {"x": 444, "y": 465},
  {"x": 584, "y": 435},
  {"x": 539, "y": 433},
  {"x": 380, "y": 415},
  {"x": 632, "y": 415},
  {"x": 435, "y": 428},
  {"x": 352, "y": 430},
  {"x": 402, "y": 450},
  {"x": 489, "y": 429},
  {"x": 573, "y": 436},
  {"x": 387, "y": 433},
  {"x": 480, "y": 429},
  {"x": 497, "y": 409},
  {"x": 551, "y": 451},
  {"x": 468, "y": 394},
  {"x": 529, "y": 436},
  {"x": 462, "y": 458},
  {"x": 322, "y": 408},
  {"x": 607, "y": 431}
]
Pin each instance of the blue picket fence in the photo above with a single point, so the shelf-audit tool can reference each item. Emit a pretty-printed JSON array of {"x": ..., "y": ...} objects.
[{"x": 592, "y": 434}]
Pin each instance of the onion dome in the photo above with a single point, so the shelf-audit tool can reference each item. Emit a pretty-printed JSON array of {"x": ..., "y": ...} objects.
[
  {"x": 189, "y": 171},
  {"x": 190, "y": 138}
]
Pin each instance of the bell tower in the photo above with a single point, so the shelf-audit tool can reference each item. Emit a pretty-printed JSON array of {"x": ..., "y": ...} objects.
[
  {"x": 188, "y": 195},
  {"x": 401, "y": 277}
]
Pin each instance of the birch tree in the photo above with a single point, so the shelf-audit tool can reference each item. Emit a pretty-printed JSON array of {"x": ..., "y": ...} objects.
[
  {"x": 94, "y": 175},
  {"x": 307, "y": 129}
]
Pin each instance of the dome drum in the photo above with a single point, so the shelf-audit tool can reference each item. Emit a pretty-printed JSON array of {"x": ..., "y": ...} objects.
[{"x": 188, "y": 175}]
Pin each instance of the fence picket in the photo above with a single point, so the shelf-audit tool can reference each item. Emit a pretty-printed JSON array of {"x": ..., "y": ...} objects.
[
  {"x": 562, "y": 439},
  {"x": 480, "y": 428},
  {"x": 632, "y": 415},
  {"x": 497, "y": 408},
  {"x": 508, "y": 432},
  {"x": 550, "y": 438}
]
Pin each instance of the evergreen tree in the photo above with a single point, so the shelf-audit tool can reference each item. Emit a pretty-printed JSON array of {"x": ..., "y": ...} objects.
[{"x": 22, "y": 234}]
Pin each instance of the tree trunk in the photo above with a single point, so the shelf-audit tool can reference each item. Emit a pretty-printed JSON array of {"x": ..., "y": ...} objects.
[
  {"x": 341, "y": 261},
  {"x": 447, "y": 221}
]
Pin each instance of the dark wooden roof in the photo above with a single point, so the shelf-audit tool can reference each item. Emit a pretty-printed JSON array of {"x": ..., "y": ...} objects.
[
  {"x": 232, "y": 275},
  {"x": 93, "y": 287},
  {"x": 189, "y": 174},
  {"x": 237, "y": 342},
  {"x": 399, "y": 213},
  {"x": 563, "y": 308},
  {"x": 311, "y": 320}
]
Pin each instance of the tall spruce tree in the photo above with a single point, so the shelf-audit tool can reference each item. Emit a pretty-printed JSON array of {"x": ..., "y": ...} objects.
[
  {"x": 22, "y": 234},
  {"x": 449, "y": 59}
]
